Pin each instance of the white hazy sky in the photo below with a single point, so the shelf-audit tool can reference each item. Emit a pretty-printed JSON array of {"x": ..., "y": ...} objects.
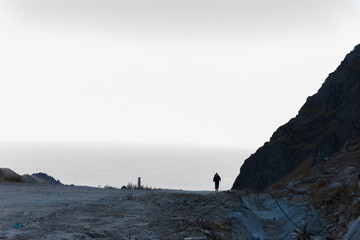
[{"x": 215, "y": 73}]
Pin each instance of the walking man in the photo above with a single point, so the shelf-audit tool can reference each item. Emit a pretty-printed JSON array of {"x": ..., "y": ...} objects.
[{"x": 217, "y": 180}]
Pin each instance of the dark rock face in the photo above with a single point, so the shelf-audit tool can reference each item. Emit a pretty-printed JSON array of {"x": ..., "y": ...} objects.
[
  {"x": 324, "y": 125},
  {"x": 41, "y": 178}
]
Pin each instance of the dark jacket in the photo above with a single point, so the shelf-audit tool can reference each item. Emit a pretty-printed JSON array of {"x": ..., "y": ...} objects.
[{"x": 216, "y": 178}]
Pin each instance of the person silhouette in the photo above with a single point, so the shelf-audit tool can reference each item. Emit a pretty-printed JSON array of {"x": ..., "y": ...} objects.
[{"x": 217, "y": 180}]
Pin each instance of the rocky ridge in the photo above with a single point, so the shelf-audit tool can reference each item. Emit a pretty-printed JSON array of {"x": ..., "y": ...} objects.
[
  {"x": 326, "y": 123},
  {"x": 8, "y": 175}
]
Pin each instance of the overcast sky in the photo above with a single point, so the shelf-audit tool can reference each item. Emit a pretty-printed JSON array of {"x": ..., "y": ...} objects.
[{"x": 210, "y": 73}]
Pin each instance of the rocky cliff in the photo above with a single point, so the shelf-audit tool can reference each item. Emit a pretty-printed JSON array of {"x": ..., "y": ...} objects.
[{"x": 327, "y": 122}]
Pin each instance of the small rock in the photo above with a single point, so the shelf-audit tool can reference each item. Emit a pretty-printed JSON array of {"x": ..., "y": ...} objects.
[
  {"x": 342, "y": 208},
  {"x": 220, "y": 235},
  {"x": 78, "y": 236},
  {"x": 147, "y": 235},
  {"x": 335, "y": 185},
  {"x": 347, "y": 172},
  {"x": 117, "y": 235},
  {"x": 316, "y": 238},
  {"x": 86, "y": 227},
  {"x": 329, "y": 226},
  {"x": 294, "y": 237},
  {"x": 302, "y": 190},
  {"x": 96, "y": 235},
  {"x": 291, "y": 184},
  {"x": 206, "y": 232}
]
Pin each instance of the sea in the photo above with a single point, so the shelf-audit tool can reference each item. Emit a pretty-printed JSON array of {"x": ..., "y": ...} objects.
[{"x": 117, "y": 165}]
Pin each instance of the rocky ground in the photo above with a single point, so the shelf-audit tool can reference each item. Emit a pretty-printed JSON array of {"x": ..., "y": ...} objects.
[
  {"x": 35, "y": 211},
  {"x": 43, "y": 211},
  {"x": 332, "y": 189}
]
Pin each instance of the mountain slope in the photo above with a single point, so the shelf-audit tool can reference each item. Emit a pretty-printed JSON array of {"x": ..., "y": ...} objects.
[
  {"x": 8, "y": 175},
  {"x": 324, "y": 125},
  {"x": 42, "y": 178}
]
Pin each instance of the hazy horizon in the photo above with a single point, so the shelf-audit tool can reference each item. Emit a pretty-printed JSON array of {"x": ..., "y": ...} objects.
[{"x": 159, "y": 166}]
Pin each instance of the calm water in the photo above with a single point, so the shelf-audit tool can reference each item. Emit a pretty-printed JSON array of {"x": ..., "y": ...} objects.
[{"x": 187, "y": 168}]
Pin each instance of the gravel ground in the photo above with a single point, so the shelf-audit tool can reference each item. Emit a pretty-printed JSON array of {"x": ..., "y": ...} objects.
[
  {"x": 45, "y": 211},
  {"x": 35, "y": 211}
]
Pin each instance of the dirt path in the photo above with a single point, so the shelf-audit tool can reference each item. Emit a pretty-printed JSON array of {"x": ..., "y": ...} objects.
[{"x": 32, "y": 211}]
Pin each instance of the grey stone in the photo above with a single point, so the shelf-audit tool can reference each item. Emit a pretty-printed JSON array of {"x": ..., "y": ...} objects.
[
  {"x": 147, "y": 235},
  {"x": 347, "y": 172},
  {"x": 86, "y": 227},
  {"x": 302, "y": 190},
  {"x": 291, "y": 184},
  {"x": 335, "y": 185},
  {"x": 206, "y": 232},
  {"x": 96, "y": 235},
  {"x": 316, "y": 238}
]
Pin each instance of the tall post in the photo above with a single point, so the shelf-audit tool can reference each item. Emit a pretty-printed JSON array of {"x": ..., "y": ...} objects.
[{"x": 139, "y": 182}]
